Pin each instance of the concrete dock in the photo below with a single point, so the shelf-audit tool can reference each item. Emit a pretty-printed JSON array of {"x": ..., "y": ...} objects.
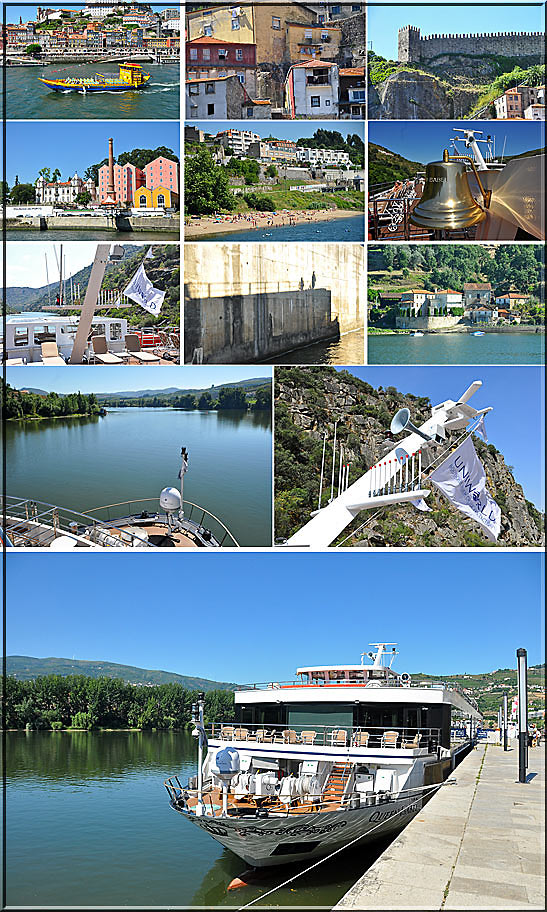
[{"x": 477, "y": 844}]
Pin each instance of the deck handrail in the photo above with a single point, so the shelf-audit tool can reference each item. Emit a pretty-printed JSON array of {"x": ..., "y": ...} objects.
[
  {"x": 185, "y": 503},
  {"x": 276, "y": 734},
  {"x": 59, "y": 517},
  {"x": 375, "y": 682}
]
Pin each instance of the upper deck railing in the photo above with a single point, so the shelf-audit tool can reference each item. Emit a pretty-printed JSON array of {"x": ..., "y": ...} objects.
[
  {"x": 346, "y": 736},
  {"x": 373, "y": 683}
]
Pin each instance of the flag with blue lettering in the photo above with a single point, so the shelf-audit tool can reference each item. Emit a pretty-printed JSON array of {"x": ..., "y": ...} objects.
[
  {"x": 141, "y": 290},
  {"x": 462, "y": 479}
]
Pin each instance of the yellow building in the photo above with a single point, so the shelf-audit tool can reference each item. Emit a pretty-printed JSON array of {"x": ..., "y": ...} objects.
[
  {"x": 305, "y": 42},
  {"x": 263, "y": 24},
  {"x": 160, "y": 198}
]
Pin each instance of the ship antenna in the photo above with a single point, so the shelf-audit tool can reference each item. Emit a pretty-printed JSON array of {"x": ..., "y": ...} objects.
[{"x": 183, "y": 470}]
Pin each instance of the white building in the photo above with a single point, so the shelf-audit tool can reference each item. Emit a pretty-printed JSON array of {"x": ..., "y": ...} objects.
[
  {"x": 312, "y": 89},
  {"x": 98, "y": 10},
  {"x": 318, "y": 157},
  {"x": 63, "y": 191},
  {"x": 534, "y": 112},
  {"x": 446, "y": 298},
  {"x": 237, "y": 140}
]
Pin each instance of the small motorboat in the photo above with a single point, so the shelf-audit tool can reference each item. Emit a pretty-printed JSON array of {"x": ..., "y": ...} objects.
[
  {"x": 131, "y": 76},
  {"x": 416, "y": 335},
  {"x": 478, "y": 333}
]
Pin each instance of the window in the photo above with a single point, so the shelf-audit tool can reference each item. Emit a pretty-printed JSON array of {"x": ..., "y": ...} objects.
[
  {"x": 324, "y": 36},
  {"x": 21, "y": 335},
  {"x": 221, "y": 73},
  {"x": 209, "y": 88},
  {"x": 335, "y": 10},
  {"x": 99, "y": 329},
  {"x": 315, "y": 101},
  {"x": 193, "y": 53},
  {"x": 210, "y": 110},
  {"x": 276, "y": 23},
  {"x": 222, "y": 53},
  {"x": 193, "y": 89},
  {"x": 44, "y": 334},
  {"x": 250, "y": 112},
  {"x": 235, "y": 24},
  {"x": 355, "y": 7},
  {"x": 142, "y": 201},
  {"x": 207, "y": 30},
  {"x": 194, "y": 111},
  {"x": 327, "y": 103},
  {"x": 308, "y": 35},
  {"x": 115, "y": 331},
  {"x": 241, "y": 77},
  {"x": 206, "y": 54},
  {"x": 239, "y": 53}
]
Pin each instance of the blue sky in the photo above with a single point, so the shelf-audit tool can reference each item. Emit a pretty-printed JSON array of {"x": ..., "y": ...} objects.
[
  {"x": 74, "y": 145},
  {"x": 383, "y": 22},
  {"x": 282, "y": 129},
  {"x": 27, "y": 11},
  {"x": 491, "y": 605},
  {"x": 107, "y": 380},
  {"x": 516, "y": 424},
  {"x": 424, "y": 141}
]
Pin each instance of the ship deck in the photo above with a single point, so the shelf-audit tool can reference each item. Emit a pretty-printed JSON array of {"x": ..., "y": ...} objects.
[{"x": 248, "y": 805}]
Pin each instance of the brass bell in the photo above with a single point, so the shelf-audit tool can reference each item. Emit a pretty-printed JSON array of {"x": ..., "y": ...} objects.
[{"x": 447, "y": 201}]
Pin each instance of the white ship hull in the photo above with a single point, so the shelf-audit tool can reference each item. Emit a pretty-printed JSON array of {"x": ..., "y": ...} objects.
[{"x": 285, "y": 839}]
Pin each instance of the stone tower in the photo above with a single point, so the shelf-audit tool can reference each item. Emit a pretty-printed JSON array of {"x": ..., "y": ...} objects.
[{"x": 409, "y": 46}]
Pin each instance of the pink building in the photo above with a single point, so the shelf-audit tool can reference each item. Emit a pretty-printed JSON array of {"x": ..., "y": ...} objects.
[
  {"x": 127, "y": 180},
  {"x": 162, "y": 172}
]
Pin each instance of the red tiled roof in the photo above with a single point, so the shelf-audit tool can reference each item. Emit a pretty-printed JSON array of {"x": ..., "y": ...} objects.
[
  {"x": 352, "y": 71},
  {"x": 315, "y": 64}
]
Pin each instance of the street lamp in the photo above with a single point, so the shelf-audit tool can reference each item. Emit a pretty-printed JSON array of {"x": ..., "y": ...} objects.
[{"x": 522, "y": 676}]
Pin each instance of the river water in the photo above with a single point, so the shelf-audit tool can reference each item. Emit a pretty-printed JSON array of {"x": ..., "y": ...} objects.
[
  {"x": 132, "y": 453},
  {"x": 29, "y": 99},
  {"x": 338, "y": 229},
  {"x": 348, "y": 350},
  {"x": 458, "y": 348},
  {"x": 90, "y": 234},
  {"x": 89, "y": 824}
]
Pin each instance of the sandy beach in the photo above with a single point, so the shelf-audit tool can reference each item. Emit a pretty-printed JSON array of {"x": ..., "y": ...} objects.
[{"x": 196, "y": 228}]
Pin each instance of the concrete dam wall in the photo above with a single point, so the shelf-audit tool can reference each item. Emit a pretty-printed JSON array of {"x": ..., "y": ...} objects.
[{"x": 260, "y": 300}]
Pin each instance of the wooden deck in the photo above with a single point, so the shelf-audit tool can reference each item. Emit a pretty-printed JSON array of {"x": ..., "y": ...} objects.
[{"x": 213, "y": 800}]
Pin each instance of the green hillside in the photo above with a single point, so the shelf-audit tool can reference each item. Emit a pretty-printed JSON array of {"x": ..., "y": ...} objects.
[
  {"x": 385, "y": 165},
  {"x": 27, "y": 668}
]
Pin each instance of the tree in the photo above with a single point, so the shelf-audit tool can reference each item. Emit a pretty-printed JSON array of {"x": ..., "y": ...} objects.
[
  {"x": 46, "y": 174},
  {"x": 263, "y": 399},
  {"x": 232, "y": 398},
  {"x": 23, "y": 193},
  {"x": 83, "y": 198},
  {"x": 33, "y": 50},
  {"x": 205, "y": 401},
  {"x": 206, "y": 185},
  {"x": 4, "y": 191},
  {"x": 271, "y": 171},
  {"x": 55, "y": 176}
]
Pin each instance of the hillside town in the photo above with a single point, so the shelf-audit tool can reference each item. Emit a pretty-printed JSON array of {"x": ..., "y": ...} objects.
[
  {"x": 286, "y": 61},
  {"x": 99, "y": 30},
  {"x": 522, "y": 102}
]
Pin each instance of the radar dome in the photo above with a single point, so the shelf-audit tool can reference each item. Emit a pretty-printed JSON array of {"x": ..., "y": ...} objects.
[
  {"x": 226, "y": 764},
  {"x": 170, "y": 500}
]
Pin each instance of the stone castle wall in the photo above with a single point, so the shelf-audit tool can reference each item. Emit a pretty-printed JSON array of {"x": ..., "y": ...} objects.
[{"x": 415, "y": 48}]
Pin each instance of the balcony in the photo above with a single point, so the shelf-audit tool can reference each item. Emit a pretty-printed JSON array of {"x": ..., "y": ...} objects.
[{"x": 322, "y": 80}]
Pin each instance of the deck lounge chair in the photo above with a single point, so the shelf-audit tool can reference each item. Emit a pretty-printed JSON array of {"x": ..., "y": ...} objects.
[
  {"x": 415, "y": 742},
  {"x": 241, "y": 734},
  {"x": 101, "y": 353},
  {"x": 308, "y": 737},
  {"x": 339, "y": 737},
  {"x": 389, "y": 739},
  {"x": 290, "y": 736},
  {"x": 133, "y": 347},
  {"x": 51, "y": 356},
  {"x": 227, "y": 732},
  {"x": 361, "y": 739},
  {"x": 262, "y": 735}
]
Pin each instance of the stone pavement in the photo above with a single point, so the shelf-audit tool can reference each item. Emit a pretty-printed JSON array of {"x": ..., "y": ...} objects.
[{"x": 477, "y": 844}]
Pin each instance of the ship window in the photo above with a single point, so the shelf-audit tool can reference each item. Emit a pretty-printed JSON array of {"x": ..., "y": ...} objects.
[
  {"x": 99, "y": 329},
  {"x": 44, "y": 334},
  {"x": 115, "y": 331},
  {"x": 69, "y": 330},
  {"x": 21, "y": 335},
  {"x": 295, "y": 848}
]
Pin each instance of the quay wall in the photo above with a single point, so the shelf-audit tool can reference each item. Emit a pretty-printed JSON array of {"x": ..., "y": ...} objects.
[
  {"x": 130, "y": 224},
  {"x": 427, "y": 323},
  {"x": 231, "y": 329},
  {"x": 243, "y": 269}
]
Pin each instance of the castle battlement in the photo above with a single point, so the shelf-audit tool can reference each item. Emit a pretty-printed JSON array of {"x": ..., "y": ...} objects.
[{"x": 415, "y": 47}]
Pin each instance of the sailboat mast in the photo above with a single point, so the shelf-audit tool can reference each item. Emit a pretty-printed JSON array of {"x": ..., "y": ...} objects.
[{"x": 47, "y": 283}]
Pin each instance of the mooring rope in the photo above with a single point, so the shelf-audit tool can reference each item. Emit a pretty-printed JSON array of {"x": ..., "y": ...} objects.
[{"x": 327, "y": 857}]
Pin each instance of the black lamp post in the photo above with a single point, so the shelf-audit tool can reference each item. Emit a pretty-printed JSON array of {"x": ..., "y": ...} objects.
[{"x": 522, "y": 676}]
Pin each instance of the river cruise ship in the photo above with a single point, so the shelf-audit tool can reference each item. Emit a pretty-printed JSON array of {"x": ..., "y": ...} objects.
[{"x": 344, "y": 753}]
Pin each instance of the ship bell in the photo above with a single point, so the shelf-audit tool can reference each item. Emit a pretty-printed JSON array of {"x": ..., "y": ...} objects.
[{"x": 446, "y": 201}]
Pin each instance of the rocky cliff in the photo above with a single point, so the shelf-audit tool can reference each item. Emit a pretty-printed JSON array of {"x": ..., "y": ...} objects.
[
  {"x": 409, "y": 95},
  {"x": 307, "y": 403}
]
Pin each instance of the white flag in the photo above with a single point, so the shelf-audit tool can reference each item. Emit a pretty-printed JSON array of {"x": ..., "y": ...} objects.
[
  {"x": 462, "y": 479},
  {"x": 141, "y": 290},
  {"x": 421, "y": 505},
  {"x": 481, "y": 429}
]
